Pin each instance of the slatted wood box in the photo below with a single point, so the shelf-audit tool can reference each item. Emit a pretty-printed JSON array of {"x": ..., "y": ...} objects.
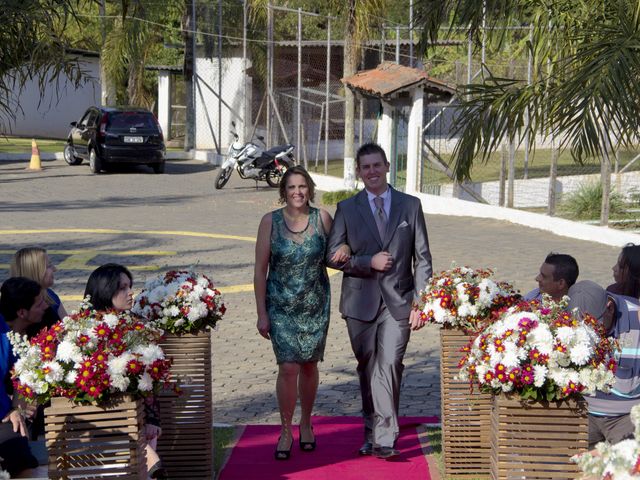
[
  {"x": 466, "y": 415},
  {"x": 537, "y": 440},
  {"x": 186, "y": 444},
  {"x": 87, "y": 441}
]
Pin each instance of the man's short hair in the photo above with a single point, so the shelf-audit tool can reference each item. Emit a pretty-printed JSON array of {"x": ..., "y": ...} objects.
[
  {"x": 17, "y": 293},
  {"x": 565, "y": 267},
  {"x": 588, "y": 297},
  {"x": 369, "y": 149}
]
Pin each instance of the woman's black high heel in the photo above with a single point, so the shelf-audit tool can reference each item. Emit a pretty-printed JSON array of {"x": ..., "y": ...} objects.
[
  {"x": 283, "y": 454},
  {"x": 308, "y": 446}
]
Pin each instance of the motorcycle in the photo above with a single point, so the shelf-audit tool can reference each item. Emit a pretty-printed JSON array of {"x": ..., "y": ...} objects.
[{"x": 251, "y": 161}]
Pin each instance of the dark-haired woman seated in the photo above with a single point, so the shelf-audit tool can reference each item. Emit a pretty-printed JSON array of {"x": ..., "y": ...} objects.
[
  {"x": 109, "y": 287},
  {"x": 626, "y": 272}
]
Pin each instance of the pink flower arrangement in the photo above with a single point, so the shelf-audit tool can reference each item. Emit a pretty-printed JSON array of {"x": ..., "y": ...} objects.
[
  {"x": 180, "y": 302},
  {"x": 465, "y": 298},
  {"x": 89, "y": 356}
]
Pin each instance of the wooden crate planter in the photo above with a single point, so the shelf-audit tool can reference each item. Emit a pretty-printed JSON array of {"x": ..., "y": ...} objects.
[
  {"x": 87, "y": 441},
  {"x": 536, "y": 441},
  {"x": 466, "y": 415},
  {"x": 186, "y": 444}
]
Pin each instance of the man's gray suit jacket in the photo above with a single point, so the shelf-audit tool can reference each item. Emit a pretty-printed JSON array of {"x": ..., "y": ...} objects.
[{"x": 405, "y": 238}]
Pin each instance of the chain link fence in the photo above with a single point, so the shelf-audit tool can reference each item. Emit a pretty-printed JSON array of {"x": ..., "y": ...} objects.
[{"x": 282, "y": 82}]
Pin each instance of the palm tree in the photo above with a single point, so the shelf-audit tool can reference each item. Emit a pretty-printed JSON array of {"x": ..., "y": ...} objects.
[
  {"x": 33, "y": 45},
  {"x": 585, "y": 91},
  {"x": 132, "y": 38}
]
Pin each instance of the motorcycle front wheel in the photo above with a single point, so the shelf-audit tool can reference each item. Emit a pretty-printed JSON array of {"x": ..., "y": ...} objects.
[
  {"x": 223, "y": 176},
  {"x": 274, "y": 176}
]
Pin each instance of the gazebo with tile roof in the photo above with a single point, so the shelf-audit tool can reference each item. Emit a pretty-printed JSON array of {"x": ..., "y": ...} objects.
[{"x": 397, "y": 86}]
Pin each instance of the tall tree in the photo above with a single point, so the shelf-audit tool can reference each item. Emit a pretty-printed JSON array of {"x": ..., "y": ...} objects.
[{"x": 361, "y": 17}]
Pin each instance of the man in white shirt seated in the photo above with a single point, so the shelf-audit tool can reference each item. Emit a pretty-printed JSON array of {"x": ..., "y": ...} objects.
[{"x": 557, "y": 274}]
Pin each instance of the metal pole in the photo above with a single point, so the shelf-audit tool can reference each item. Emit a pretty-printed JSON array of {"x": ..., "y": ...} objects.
[
  {"x": 194, "y": 78},
  {"x": 398, "y": 45},
  {"x": 299, "y": 106},
  {"x": 484, "y": 31},
  {"x": 269, "y": 70},
  {"x": 245, "y": 114},
  {"x": 327, "y": 100},
  {"x": 527, "y": 118},
  {"x": 411, "y": 33},
  {"x": 469, "y": 59},
  {"x": 512, "y": 173},
  {"x": 219, "y": 76},
  {"x": 384, "y": 42}
]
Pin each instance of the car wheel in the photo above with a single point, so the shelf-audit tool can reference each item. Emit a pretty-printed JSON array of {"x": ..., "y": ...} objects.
[
  {"x": 95, "y": 164},
  {"x": 223, "y": 177},
  {"x": 158, "y": 167},
  {"x": 70, "y": 157}
]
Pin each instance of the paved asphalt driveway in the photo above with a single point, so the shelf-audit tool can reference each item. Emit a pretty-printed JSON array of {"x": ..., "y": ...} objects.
[{"x": 156, "y": 222}]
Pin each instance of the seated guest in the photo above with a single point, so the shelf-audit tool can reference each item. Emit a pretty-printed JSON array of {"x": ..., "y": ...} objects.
[
  {"x": 35, "y": 264},
  {"x": 558, "y": 272},
  {"x": 626, "y": 272},
  {"x": 609, "y": 412},
  {"x": 109, "y": 287},
  {"x": 22, "y": 304}
]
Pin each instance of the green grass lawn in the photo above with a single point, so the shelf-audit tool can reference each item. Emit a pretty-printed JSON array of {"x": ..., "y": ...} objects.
[{"x": 223, "y": 438}]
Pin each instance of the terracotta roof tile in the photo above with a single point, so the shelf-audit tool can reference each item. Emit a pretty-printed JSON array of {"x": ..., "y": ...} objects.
[{"x": 388, "y": 79}]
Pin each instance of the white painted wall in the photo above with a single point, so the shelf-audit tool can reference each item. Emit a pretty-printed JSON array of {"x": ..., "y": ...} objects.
[
  {"x": 534, "y": 192},
  {"x": 207, "y": 101},
  {"x": 50, "y": 117}
]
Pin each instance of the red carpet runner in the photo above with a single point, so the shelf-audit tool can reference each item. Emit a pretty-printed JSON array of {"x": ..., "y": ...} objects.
[{"x": 336, "y": 457}]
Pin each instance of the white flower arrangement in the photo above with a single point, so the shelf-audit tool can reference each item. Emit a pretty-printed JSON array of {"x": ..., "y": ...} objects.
[
  {"x": 180, "y": 302},
  {"x": 620, "y": 461},
  {"x": 464, "y": 298},
  {"x": 88, "y": 356},
  {"x": 541, "y": 352}
]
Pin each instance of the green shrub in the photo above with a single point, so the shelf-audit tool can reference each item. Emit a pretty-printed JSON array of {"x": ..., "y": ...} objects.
[
  {"x": 332, "y": 198},
  {"x": 586, "y": 202}
]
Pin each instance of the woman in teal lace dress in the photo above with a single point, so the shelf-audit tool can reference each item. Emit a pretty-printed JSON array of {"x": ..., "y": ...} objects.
[{"x": 293, "y": 299}]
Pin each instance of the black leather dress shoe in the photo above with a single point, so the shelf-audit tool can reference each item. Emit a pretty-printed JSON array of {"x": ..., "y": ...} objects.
[
  {"x": 385, "y": 452},
  {"x": 366, "y": 448}
]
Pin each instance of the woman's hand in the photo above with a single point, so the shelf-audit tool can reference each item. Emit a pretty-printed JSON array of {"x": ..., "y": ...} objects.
[
  {"x": 17, "y": 421},
  {"x": 342, "y": 254},
  {"x": 264, "y": 325}
]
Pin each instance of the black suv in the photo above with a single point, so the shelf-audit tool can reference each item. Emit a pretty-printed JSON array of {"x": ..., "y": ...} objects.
[{"x": 110, "y": 135}]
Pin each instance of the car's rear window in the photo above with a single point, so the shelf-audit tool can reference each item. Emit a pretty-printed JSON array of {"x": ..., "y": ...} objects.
[{"x": 131, "y": 119}]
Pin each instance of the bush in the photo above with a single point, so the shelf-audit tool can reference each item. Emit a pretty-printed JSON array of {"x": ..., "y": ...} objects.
[
  {"x": 332, "y": 198},
  {"x": 586, "y": 202}
]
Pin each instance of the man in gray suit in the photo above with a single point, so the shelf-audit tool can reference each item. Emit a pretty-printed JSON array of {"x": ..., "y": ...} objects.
[{"x": 390, "y": 262}]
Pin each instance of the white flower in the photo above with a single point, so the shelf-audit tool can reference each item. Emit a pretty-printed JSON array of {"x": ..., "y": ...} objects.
[
  {"x": 117, "y": 366},
  {"x": 71, "y": 376},
  {"x": 55, "y": 372},
  {"x": 539, "y": 375},
  {"x": 145, "y": 383},
  {"x": 580, "y": 354},
  {"x": 120, "y": 382},
  {"x": 110, "y": 319},
  {"x": 68, "y": 352},
  {"x": 149, "y": 353}
]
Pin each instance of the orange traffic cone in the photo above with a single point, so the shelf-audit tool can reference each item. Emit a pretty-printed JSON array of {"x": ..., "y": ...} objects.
[{"x": 34, "y": 164}]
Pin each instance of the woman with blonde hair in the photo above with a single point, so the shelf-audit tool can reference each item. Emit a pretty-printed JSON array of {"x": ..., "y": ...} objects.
[{"x": 34, "y": 263}]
